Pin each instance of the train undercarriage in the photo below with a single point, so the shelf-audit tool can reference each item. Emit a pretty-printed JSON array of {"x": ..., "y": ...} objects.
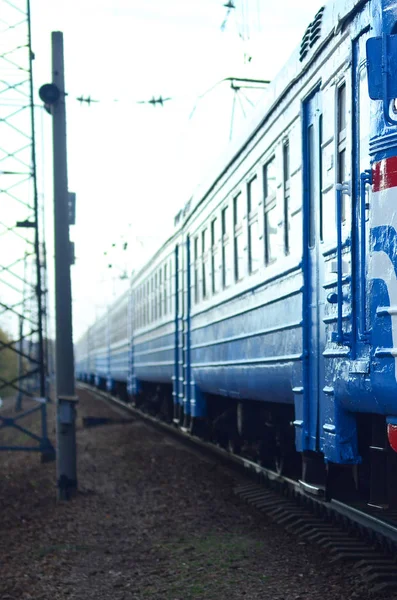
[{"x": 264, "y": 433}]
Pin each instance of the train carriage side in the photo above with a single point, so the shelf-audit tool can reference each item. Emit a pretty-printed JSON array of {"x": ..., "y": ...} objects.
[
  {"x": 246, "y": 287},
  {"x": 153, "y": 355},
  {"x": 267, "y": 322},
  {"x": 119, "y": 344},
  {"x": 89, "y": 368},
  {"x": 99, "y": 351},
  {"x": 82, "y": 357},
  {"x": 272, "y": 304}
]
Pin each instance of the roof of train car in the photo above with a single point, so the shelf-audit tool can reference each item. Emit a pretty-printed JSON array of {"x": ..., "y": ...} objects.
[{"x": 332, "y": 18}]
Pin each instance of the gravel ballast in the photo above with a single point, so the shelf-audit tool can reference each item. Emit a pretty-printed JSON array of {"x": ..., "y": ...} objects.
[{"x": 152, "y": 519}]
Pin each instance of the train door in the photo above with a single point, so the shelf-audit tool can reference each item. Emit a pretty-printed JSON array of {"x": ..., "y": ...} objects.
[
  {"x": 362, "y": 179},
  {"x": 314, "y": 271},
  {"x": 186, "y": 333}
]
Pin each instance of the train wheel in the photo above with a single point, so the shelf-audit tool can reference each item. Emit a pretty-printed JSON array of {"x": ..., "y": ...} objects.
[
  {"x": 274, "y": 451},
  {"x": 234, "y": 444},
  {"x": 279, "y": 462},
  {"x": 199, "y": 428}
]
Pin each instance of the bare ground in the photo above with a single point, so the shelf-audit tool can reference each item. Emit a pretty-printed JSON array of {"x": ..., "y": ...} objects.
[{"x": 152, "y": 520}]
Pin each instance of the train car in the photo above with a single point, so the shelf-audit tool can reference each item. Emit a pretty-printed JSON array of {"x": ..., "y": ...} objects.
[
  {"x": 155, "y": 302},
  {"x": 267, "y": 322},
  {"x": 119, "y": 347},
  {"x": 81, "y": 359},
  {"x": 98, "y": 345}
]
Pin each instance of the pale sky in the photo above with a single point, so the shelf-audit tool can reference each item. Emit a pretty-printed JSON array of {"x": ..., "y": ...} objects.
[{"x": 131, "y": 165}]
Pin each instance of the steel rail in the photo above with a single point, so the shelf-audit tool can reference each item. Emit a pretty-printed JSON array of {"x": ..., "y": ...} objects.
[{"x": 385, "y": 531}]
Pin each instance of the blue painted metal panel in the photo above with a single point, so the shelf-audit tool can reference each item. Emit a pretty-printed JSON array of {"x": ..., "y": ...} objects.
[
  {"x": 119, "y": 363},
  {"x": 308, "y": 399},
  {"x": 245, "y": 348},
  {"x": 154, "y": 357}
]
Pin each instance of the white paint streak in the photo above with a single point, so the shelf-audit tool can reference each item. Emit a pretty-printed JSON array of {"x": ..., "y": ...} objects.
[{"x": 384, "y": 213}]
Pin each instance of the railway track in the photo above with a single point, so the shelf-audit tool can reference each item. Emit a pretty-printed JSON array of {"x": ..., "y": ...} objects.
[{"x": 350, "y": 533}]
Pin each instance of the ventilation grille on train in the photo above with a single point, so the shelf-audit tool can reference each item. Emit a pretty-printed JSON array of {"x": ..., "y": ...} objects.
[{"x": 312, "y": 34}]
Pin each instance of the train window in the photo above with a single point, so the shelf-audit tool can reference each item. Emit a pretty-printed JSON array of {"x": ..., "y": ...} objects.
[
  {"x": 136, "y": 297},
  {"x": 341, "y": 141},
  {"x": 253, "y": 228},
  {"x": 342, "y": 108},
  {"x": 312, "y": 186},
  {"x": 136, "y": 309},
  {"x": 254, "y": 246},
  {"x": 238, "y": 257},
  {"x": 214, "y": 256},
  {"x": 270, "y": 180},
  {"x": 204, "y": 263},
  {"x": 140, "y": 306},
  {"x": 238, "y": 209},
  {"x": 160, "y": 294},
  {"x": 252, "y": 195},
  {"x": 286, "y": 189},
  {"x": 270, "y": 208},
  {"x": 171, "y": 288},
  {"x": 271, "y": 234},
  {"x": 143, "y": 307},
  {"x": 165, "y": 290},
  {"x": 151, "y": 297},
  {"x": 151, "y": 300},
  {"x": 224, "y": 221},
  {"x": 226, "y": 271},
  {"x": 214, "y": 232},
  {"x": 147, "y": 303},
  {"x": 179, "y": 284},
  {"x": 238, "y": 216},
  {"x": 156, "y": 290},
  {"x": 196, "y": 270}
]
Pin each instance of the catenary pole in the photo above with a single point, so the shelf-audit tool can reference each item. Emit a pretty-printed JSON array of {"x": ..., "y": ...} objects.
[{"x": 65, "y": 383}]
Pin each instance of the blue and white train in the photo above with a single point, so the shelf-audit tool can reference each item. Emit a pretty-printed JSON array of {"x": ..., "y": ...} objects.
[{"x": 268, "y": 321}]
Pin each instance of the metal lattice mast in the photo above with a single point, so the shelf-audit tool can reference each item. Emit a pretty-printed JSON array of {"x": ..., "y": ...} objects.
[{"x": 22, "y": 364}]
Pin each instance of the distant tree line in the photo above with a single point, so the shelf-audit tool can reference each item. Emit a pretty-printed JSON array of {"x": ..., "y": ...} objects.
[{"x": 8, "y": 365}]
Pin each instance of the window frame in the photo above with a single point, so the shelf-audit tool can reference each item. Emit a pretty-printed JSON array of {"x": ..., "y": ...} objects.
[
  {"x": 160, "y": 293},
  {"x": 165, "y": 289},
  {"x": 341, "y": 138},
  {"x": 269, "y": 203},
  {"x": 238, "y": 230},
  {"x": 204, "y": 263},
  {"x": 286, "y": 191},
  {"x": 252, "y": 218},
  {"x": 196, "y": 268},
  {"x": 225, "y": 241},
  {"x": 214, "y": 254}
]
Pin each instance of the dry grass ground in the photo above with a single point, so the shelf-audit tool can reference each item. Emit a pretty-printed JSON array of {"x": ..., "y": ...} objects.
[{"x": 152, "y": 520}]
